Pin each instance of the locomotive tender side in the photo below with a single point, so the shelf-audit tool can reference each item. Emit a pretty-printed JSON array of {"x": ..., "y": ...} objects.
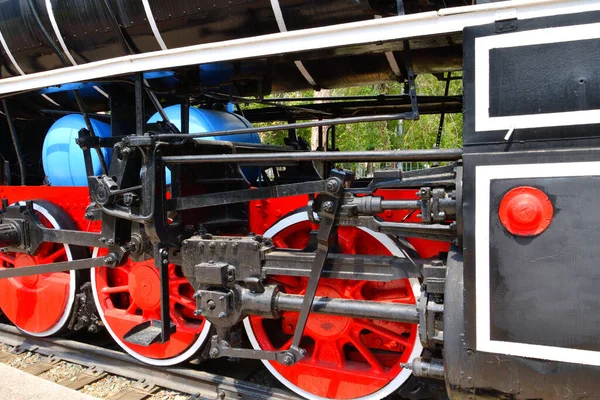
[{"x": 471, "y": 279}]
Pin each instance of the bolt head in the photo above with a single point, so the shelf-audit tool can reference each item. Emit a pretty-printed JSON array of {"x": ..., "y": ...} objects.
[
  {"x": 328, "y": 206},
  {"x": 287, "y": 360},
  {"x": 197, "y": 313},
  {"x": 222, "y": 315},
  {"x": 211, "y": 304},
  {"x": 333, "y": 185},
  {"x": 213, "y": 353}
]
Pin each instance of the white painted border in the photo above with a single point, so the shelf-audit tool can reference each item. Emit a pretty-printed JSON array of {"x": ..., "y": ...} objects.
[
  {"x": 483, "y": 177},
  {"x": 483, "y": 45},
  {"x": 72, "y": 281},
  {"x": 444, "y": 21},
  {"x": 186, "y": 355},
  {"x": 399, "y": 380}
]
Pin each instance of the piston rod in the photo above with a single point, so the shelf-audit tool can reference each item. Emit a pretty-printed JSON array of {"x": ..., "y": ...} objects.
[{"x": 406, "y": 313}]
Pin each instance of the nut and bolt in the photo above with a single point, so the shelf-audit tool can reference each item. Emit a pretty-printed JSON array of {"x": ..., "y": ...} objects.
[
  {"x": 211, "y": 304},
  {"x": 197, "y": 313},
  {"x": 333, "y": 185},
  {"x": 212, "y": 245},
  {"x": 164, "y": 252},
  {"x": 328, "y": 206},
  {"x": 222, "y": 315},
  {"x": 109, "y": 260},
  {"x": 287, "y": 360},
  {"x": 213, "y": 353},
  {"x": 110, "y": 242}
]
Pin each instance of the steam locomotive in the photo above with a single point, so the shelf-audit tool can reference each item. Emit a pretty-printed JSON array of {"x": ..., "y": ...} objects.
[{"x": 137, "y": 196}]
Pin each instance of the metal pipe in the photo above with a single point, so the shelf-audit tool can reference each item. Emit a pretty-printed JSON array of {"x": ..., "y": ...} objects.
[
  {"x": 351, "y": 308},
  {"x": 347, "y": 156},
  {"x": 296, "y": 125},
  {"x": 15, "y": 140},
  {"x": 432, "y": 368}
]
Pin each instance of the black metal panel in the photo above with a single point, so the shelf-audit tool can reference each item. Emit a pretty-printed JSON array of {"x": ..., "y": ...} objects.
[
  {"x": 539, "y": 295},
  {"x": 508, "y": 98},
  {"x": 573, "y": 88},
  {"x": 494, "y": 376},
  {"x": 543, "y": 289}
]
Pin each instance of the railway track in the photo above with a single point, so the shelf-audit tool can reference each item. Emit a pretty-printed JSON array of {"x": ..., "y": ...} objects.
[{"x": 100, "y": 362}]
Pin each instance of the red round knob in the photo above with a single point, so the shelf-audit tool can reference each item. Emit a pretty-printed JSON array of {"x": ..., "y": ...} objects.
[{"x": 525, "y": 211}]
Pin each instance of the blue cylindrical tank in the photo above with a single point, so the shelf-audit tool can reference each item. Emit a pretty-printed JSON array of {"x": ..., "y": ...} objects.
[
  {"x": 209, "y": 121},
  {"x": 62, "y": 158}
]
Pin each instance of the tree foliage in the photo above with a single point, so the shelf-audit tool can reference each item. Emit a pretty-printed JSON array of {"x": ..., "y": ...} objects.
[{"x": 387, "y": 135}]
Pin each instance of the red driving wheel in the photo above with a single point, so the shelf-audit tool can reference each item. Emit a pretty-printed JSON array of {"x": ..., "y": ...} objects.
[
  {"x": 41, "y": 305},
  {"x": 347, "y": 358},
  {"x": 130, "y": 295}
]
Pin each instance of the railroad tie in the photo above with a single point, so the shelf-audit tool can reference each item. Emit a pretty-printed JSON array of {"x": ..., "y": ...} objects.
[
  {"x": 138, "y": 391},
  {"x": 86, "y": 377}
]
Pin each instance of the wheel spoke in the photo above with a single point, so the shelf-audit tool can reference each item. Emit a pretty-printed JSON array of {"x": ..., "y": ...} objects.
[
  {"x": 187, "y": 303},
  {"x": 366, "y": 353},
  {"x": 178, "y": 281},
  {"x": 50, "y": 258},
  {"x": 7, "y": 258},
  {"x": 286, "y": 345},
  {"x": 326, "y": 348},
  {"x": 115, "y": 289},
  {"x": 355, "y": 291},
  {"x": 381, "y": 331},
  {"x": 132, "y": 308}
]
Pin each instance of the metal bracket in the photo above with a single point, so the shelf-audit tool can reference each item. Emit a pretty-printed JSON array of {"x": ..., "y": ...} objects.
[
  {"x": 221, "y": 348},
  {"x": 329, "y": 204}
]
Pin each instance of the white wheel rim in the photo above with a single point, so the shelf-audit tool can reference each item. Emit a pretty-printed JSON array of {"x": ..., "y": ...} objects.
[
  {"x": 72, "y": 281},
  {"x": 186, "y": 355},
  {"x": 394, "y": 384}
]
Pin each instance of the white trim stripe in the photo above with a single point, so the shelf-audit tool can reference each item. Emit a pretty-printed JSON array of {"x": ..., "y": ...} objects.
[
  {"x": 445, "y": 21},
  {"x": 54, "y": 24},
  {"x": 63, "y": 45},
  {"x": 49, "y": 99},
  {"x": 10, "y": 55},
  {"x": 283, "y": 28},
  {"x": 483, "y": 178},
  {"x": 483, "y": 45},
  {"x": 153, "y": 26},
  {"x": 18, "y": 67}
]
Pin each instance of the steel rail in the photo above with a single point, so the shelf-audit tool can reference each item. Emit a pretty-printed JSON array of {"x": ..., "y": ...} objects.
[{"x": 180, "y": 379}]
